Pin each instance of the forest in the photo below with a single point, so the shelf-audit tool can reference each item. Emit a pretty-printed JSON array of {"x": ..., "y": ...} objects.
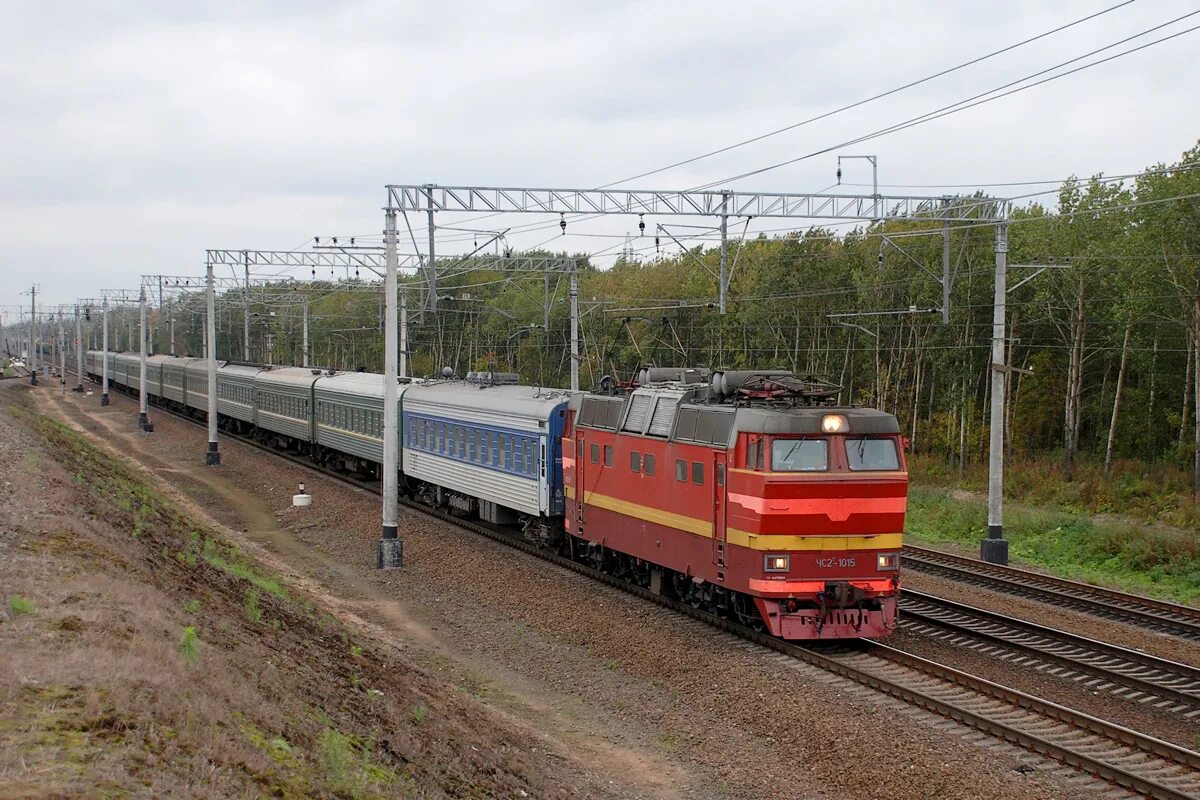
[{"x": 1105, "y": 337}]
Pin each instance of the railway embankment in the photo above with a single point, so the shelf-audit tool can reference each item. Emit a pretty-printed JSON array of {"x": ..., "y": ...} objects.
[{"x": 145, "y": 651}]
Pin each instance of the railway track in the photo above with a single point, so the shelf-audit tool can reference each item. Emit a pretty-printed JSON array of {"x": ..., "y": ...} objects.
[
  {"x": 1144, "y": 612},
  {"x": 1098, "y": 666},
  {"x": 1140, "y": 764}
]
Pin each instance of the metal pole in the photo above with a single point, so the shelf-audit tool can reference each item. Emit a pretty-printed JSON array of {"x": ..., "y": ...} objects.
[
  {"x": 304, "y": 339},
  {"x": 143, "y": 394},
  {"x": 212, "y": 457},
  {"x": 432, "y": 276},
  {"x": 875, "y": 184},
  {"x": 78, "y": 351},
  {"x": 722, "y": 278},
  {"x": 389, "y": 552},
  {"x": 945, "y": 266},
  {"x": 160, "y": 303},
  {"x": 404, "y": 331},
  {"x": 62, "y": 357},
  {"x": 246, "y": 309},
  {"x": 33, "y": 337},
  {"x": 574, "y": 293},
  {"x": 995, "y": 547},
  {"x": 104, "y": 365}
]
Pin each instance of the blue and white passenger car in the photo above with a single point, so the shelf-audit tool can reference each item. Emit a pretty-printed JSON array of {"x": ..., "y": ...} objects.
[{"x": 497, "y": 446}]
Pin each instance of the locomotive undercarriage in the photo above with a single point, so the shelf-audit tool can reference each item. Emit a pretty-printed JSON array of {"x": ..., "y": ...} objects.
[{"x": 696, "y": 592}]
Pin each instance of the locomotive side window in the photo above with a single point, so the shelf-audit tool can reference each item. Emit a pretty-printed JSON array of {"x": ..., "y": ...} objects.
[
  {"x": 800, "y": 455},
  {"x": 635, "y": 461},
  {"x": 608, "y": 455},
  {"x": 752, "y": 454},
  {"x": 680, "y": 470},
  {"x": 595, "y": 454},
  {"x": 698, "y": 473},
  {"x": 877, "y": 455},
  {"x": 648, "y": 464}
]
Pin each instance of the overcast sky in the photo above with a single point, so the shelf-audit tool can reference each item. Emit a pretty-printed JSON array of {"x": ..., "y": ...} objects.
[{"x": 135, "y": 135}]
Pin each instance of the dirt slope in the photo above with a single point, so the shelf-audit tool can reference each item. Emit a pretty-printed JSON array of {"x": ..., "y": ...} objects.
[{"x": 142, "y": 654}]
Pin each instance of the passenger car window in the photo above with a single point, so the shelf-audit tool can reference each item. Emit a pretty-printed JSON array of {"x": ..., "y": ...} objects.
[
  {"x": 872, "y": 455},
  {"x": 697, "y": 473},
  {"x": 800, "y": 455}
]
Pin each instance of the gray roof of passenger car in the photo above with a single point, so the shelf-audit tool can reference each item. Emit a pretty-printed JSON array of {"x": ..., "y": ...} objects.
[
  {"x": 288, "y": 376},
  {"x": 367, "y": 384},
  {"x": 199, "y": 364},
  {"x": 525, "y": 401},
  {"x": 244, "y": 371}
]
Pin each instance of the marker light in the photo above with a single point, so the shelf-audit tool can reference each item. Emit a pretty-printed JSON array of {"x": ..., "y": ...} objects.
[
  {"x": 887, "y": 561},
  {"x": 776, "y": 563},
  {"x": 834, "y": 423}
]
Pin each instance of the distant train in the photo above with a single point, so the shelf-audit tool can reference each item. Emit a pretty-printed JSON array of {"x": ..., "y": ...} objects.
[{"x": 744, "y": 493}]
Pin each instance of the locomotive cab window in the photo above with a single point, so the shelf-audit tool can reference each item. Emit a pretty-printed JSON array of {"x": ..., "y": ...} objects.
[
  {"x": 877, "y": 455},
  {"x": 800, "y": 455}
]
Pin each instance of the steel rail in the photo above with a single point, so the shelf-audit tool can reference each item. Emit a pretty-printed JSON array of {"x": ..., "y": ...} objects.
[
  {"x": 1145, "y": 612},
  {"x": 1122, "y": 762},
  {"x": 1167, "y": 685}
]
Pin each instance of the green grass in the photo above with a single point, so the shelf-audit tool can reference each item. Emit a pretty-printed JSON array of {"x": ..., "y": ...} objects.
[
  {"x": 18, "y": 605},
  {"x": 189, "y": 645},
  {"x": 1139, "y": 558},
  {"x": 1138, "y": 490},
  {"x": 251, "y": 607},
  {"x": 350, "y": 767}
]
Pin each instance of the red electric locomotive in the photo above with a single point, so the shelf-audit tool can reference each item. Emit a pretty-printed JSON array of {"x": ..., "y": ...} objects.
[{"x": 746, "y": 494}]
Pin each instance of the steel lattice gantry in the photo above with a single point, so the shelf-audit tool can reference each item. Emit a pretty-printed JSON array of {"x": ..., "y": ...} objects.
[{"x": 724, "y": 203}]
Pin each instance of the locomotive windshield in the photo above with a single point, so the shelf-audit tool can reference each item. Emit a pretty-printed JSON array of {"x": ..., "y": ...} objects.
[
  {"x": 800, "y": 455},
  {"x": 877, "y": 455}
]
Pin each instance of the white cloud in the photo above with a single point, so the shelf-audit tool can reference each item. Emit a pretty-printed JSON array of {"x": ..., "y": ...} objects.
[{"x": 136, "y": 135}]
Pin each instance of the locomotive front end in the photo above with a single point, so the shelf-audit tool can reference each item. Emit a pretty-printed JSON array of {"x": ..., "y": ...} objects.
[{"x": 818, "y": 511}]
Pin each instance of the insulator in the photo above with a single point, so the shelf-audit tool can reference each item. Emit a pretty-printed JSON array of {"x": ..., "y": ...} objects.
[
  {"x": 335, "y": 240},
  {"x": 839, "y": 175},
  {"x": 562, "y": 223},
  {"x": 316, "y": 240},
  {"x": 641, "y": 225},
  {"x": 656, "y": 243},
  {"x": 352, "y": 241}
]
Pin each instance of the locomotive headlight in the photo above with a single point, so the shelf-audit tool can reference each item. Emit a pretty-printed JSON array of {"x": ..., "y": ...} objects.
[
  {"x": 773, "y": 563},
  {"x": 887, "y": 561},
  {"x": 834, "y": 423}
]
